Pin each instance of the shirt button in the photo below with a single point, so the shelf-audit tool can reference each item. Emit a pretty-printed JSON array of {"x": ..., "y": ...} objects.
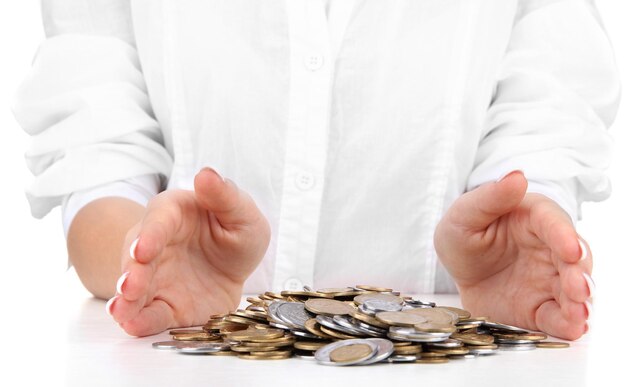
[
  {"x": 293, "y": 284},
  {"x": 313, "y": 62},
  {"x": 305, "y": 181}
]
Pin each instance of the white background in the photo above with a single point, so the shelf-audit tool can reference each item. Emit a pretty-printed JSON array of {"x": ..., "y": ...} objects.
[{"x": 37, "y": 291}]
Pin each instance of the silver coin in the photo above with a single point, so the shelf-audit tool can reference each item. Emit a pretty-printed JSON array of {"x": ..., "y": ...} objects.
[
  {"x": 166, "y": 344},
  {"x": 322, "y": 355},
  {"x": 377, "y": 305},
  {"x": 367, "y": 326},
  {"x": 482, "y": 351},
  {"x": 272, "y": 311},
  {"x": 307, "y": 288},
  {"x": 385, "y": 349},
  {"x": 351, "y": 328},
  {"x": 330, "y": 323},
  {"x": 503, "y": 327},
  {"x": 418, "y": 304},
  {"x": 408, "y": 331},
  {"x": 466, "y": 356},
  {"x": 305, "y": 356},
  {"x": 402, "y": 358},
  {"x": 415, "y": 339},
  {"x": 366, "y": 330},
  {"x": 197, "y": 347},
  {"x": 520, "y": 347},
  {"x": 280, "y": 325},
  {"x": 293, "y": 314},
  {"x": 304, "y": 334}
]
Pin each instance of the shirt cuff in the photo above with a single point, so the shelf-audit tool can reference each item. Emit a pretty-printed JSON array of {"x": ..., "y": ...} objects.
[{"x": 139, "y": 189}]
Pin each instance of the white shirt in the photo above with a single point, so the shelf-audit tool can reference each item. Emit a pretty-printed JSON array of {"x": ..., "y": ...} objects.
[{"x": 352, "y": 143}]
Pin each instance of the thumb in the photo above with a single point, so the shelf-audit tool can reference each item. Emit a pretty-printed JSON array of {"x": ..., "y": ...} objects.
[
  {"x": 477, "y": 209},
  {"x": 224, "y": 199}
]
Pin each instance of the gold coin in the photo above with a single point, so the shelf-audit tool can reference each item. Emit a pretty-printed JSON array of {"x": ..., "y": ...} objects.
[
  {"x": 397, "y": 344},
  {"x": 240, "y": 320},
  {"x": 429, "y": 354},
  {"x": 368, "y": 319},
  {"x": 534, "y": 336},
  {"x": 221, "y": 324},
  {"x": 185, "y": 331},
  {"x": 432, "y": 360},
  {"x": 451, "y": 351},
  {"x": 203, "y": 336},
  {"x": 260, "y": 357},
  {"x": 374, "y": 288},
  {"x": 282, "y": 342},
  {"x": 473, "y": 338},
  {"x": 334, "y": 291},
  {"x": 313, "y": 327},
  {"x": 335, "y": 334},
  {"x": 378, "y": 296},
  {"x": 462, "y": 313},
  {"x": 401, "y": 319},
  {"x": 309, "y": 345},
  {"x": 552, "y": 344},
  {"x": 435, "y": 327},
  {"x": 255, "y": 300},
  {"x": 436, "y": 315},
  {"x": 350, "y": 353},
  {"x": 483, "y": 346},
  {"x": 256, "y": 334},
  {"x": 304, "y": 293},
  {"x": 327, "y": 307},
  {"x": 272, "y": 353},
  {"x": 408, "y": 350},
  {"x": 245, "y": 348},
  {"x": 273, "y": 295}
]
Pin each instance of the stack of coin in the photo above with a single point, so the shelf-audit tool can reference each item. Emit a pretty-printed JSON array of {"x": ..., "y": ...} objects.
[{"x": 352, "y": 326}]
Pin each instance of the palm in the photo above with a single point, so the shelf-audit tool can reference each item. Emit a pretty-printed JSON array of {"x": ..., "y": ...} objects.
[
  {"x": 196, "y": 249},
  {"x": 516, "y": 261}
]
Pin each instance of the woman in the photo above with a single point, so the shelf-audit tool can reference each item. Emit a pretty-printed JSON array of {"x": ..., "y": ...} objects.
[{"x": 428, "y": 146}]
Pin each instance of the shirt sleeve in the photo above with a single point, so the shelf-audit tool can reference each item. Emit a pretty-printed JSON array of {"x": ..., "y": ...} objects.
[
  {"x": 85, "y": 104},
  {"x": 139, "y": 189},
  {"x": 556, "y": 94}
]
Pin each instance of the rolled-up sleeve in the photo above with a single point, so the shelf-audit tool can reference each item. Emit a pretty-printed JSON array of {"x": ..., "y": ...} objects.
[
  {"x": 86, "y": 104},
  {"x": 556, "y": 95}
]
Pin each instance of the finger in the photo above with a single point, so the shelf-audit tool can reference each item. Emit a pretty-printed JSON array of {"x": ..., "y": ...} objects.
[
  {"x": 124, "y": 310},
  {"x": 551, "y": 320},
  {"x": 575, "y": 313},
  {"x": 554, "y": 227},
  {"x": 573, "y": 282},
  {"x": 231, "y": 206},
  {"x": 136, "y": 280},
  {"x": 477, "y": 209},
  {"x": 154, "y": 318}
]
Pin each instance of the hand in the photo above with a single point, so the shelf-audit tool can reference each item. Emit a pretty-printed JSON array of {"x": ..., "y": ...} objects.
[
  {"x": 193, "y": 253},
  {"x": 517, "y": 258}
]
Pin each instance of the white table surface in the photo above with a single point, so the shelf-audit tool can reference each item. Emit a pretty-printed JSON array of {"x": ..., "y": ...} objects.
[{"x": 84, "y": 347}]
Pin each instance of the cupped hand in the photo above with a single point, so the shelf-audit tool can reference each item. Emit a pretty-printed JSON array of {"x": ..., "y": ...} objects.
[
  {"x": 189, "y": 256},
  {"x": 516, "y": 258}
]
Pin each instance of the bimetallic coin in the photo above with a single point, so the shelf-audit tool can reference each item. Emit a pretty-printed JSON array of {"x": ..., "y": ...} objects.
[
  {"x": 327, "y": 307},
  {"x": 322, "y": 355},
  {"x": 352, "y": 353},
  {"x": 384, "y": 349},
  {"x": 172, "y": 344},
  {"x": 552, "y": 344}
]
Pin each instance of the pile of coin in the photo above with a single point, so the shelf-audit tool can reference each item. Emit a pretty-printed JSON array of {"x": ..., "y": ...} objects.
[{"x": 351, "y": 326}]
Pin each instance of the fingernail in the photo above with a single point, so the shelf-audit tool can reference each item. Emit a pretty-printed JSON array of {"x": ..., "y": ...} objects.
[
  {"x": 110, "y": 304},
  {"x": 583, "y": 250},
  {"x": 509, "y": 174},
  {"x": 591, "y": 285},
  {"x": 133, "y": 247},
  {"x": 120, "y": 282},
  {"x": 215, "y": 172},
  {"x": 589, "y": 308}
]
